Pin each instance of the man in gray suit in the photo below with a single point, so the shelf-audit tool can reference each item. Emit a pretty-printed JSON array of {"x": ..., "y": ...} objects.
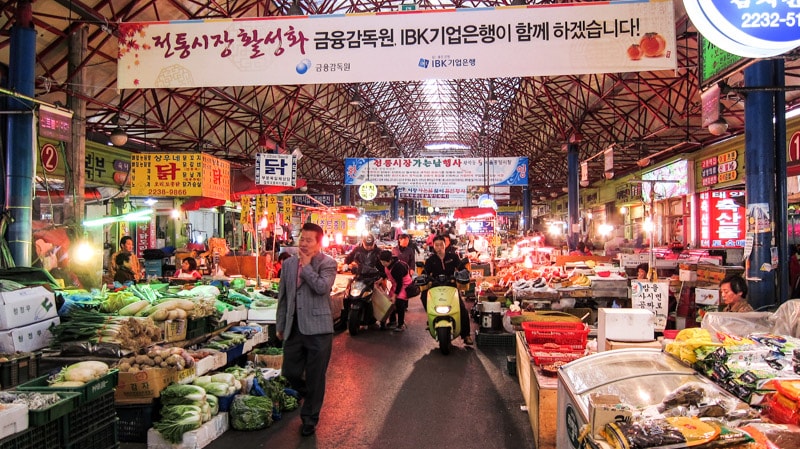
[{"x": 305, "y": 323}]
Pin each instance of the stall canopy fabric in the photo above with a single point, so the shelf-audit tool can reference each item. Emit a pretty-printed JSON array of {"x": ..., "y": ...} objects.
[
  {"x": 243, "y": 183},
  {"x": 201, "y": 202},
  {"x": 474, "y": 212}
]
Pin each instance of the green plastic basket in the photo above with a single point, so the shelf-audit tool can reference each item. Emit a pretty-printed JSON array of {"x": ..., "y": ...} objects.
[
  {"x": 45, "y": 436},
  {"x": 88, "y": 417},
  {"x": 88, "y": 392},
  {"x": 68, "y": 402}
]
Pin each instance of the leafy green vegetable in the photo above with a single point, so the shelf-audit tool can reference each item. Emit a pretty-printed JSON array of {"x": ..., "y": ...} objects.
[
  {"x": 177, "y": 394},
  {"x": 251, "y": 412},
  {"x": 213, "y": 402},
  {"x": 177, "y": 420}
]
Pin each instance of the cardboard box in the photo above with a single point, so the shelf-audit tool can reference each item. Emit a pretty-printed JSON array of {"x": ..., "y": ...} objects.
[
  {"x": 172, "y": 330},
  {"x": 603, "y": 409},
  {"x": 613, "y": 344},
  {"x": 27, "y": 338},
  {"x": 687, "y": 275},
  {"x": 149, "y": 383},
  {"x": 26, "y": 306}
]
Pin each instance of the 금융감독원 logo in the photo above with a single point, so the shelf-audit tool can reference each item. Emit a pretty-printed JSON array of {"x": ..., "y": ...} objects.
[
  {"x": 303, "y": 66},
  {"x": 446, "y": 62}
]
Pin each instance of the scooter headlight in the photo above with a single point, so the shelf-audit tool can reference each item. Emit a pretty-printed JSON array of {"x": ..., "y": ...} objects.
[
  {"x": 442, "y": 310},
  {"x": 356, "y": 290}
]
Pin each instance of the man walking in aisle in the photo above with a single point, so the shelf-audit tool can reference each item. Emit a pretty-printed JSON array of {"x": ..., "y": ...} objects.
[{"x": 305, "y": 323}]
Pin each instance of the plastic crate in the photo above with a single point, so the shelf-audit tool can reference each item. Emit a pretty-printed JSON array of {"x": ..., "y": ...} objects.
[
  {"x": 135, "y": 420},
  {"x": 45, "y": 436},
  {"x": 69, "y": 401},
  {"x": 21, "y": 368},
  {"x": 87, "y": 418},
  {"x": 225, "y": 402},
  {"x": 234, "y": 353},
  {"x": 88, "y": 392},
  {"x": 196, "y": 328},
  {"x": 103, "y": 438},
  {"x": 502, "y": 340},
  {"x": 571, "y": 334}
]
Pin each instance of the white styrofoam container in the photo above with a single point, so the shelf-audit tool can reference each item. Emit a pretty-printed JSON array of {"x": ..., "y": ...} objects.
[
  {"x": 13, "y": 419},
  {"x": 687, "y": 275},
  {"x": 624, "y": 325},
  {"x": 25, "y": 306},
  {"x": 235, "y": 316},
  {"x": 263, "y": 314},
  {"x": 194, "y": 439},
  {"x": 27, "y": 338}
]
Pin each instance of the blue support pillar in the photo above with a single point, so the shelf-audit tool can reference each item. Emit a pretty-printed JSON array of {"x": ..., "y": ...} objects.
[
  {"x": 781, "y": 190},
  {"x": 21, "y": 149},
  {"x": 346, "y": 196},
  {"x": 759, "y": 147},
  {"x": 526, "y": 209},
  {"x": 396, "y": 205},
  {"x": 572, "y": 195}
]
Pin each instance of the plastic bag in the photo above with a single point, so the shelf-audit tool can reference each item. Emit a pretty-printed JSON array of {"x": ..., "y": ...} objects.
[
  {"x": 740, "y": 324},
  {"x": 786, "y": 320}
]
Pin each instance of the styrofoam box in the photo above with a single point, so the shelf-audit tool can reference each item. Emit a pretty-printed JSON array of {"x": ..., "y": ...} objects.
[
  {"x": 210, "y": 363},
  {"x": 27, "y": 338},
  {"x": 235, "y": 316},
  {"x": 624, "y": 325},
  {"x": 263, "y": 314},
  {"x": 26, "y": 306},
  {"x": 194, "y": 439},
  {"x": 13, "y": 419},
  {"x": 687, "y": 275}
]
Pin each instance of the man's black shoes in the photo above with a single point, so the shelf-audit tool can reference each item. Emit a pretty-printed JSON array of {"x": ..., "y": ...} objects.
[{"x": 308, "y": 430}]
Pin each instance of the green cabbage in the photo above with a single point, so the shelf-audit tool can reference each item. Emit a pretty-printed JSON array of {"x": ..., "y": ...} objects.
[
  {"x": 177, "y": 394},
  {"x": 213, "y": 402}
]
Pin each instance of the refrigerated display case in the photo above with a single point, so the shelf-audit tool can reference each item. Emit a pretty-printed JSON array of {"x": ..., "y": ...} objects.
[{"x": 638, "y": 377}]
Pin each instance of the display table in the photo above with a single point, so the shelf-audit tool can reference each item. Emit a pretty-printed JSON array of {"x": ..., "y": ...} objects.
[
  {"x": 540, "y": 393},
  {"x": 244, "y": 266}
]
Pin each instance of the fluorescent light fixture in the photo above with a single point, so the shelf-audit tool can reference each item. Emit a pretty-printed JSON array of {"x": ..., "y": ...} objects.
[
  {"x": 150, "y": 201},
  {"x": 135, "y": 216}
]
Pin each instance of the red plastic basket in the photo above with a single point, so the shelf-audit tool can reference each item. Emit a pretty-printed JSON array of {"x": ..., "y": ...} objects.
[
  {"x": 565, "y": 334},
  {"x": 545, "y": 358}
]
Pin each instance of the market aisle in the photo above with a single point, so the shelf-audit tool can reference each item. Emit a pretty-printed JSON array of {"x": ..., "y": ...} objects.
[{"x": 395, "y": 390}]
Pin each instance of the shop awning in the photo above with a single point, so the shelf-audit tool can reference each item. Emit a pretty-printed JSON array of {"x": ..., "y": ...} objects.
[
  {"x": 474, "y": 212},
  {"x": 201, "y": 202}
]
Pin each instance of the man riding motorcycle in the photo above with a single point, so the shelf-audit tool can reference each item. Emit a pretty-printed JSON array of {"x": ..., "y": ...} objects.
[
  {"x": 446, "y": 263},
  {"x": 367, "y": 253}
]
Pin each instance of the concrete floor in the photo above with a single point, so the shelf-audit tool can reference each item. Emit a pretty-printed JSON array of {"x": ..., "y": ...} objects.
[{"x": 396, "y": 390}]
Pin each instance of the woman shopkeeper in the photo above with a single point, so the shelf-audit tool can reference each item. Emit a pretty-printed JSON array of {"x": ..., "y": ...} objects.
[{"x": 188, "y": 269}]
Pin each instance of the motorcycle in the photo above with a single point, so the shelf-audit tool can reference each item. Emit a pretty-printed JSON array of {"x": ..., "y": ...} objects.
[
  {"x": 444, "y": 310},
  {"x": 358, "y": 300}
]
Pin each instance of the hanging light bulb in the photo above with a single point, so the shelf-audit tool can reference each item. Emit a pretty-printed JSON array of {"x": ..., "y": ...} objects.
[{"x": 118, "y": 137}]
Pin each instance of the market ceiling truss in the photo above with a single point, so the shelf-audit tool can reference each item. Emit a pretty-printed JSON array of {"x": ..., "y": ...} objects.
[{"x": 640, "y": 114}]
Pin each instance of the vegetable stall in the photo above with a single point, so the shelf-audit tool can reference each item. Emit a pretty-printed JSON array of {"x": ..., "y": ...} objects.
[{"x": 124, "y": 356}]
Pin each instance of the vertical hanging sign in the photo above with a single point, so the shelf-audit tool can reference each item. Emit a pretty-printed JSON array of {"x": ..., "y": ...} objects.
[
  {"x": 272, "y": 209},
  {"x": 608, "y": 156},
  {"x": 288, "y": 209},
  {"x": 584, "y": 173}
]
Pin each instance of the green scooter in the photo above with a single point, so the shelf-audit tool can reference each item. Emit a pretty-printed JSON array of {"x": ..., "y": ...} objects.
[{"x": 444, "y": 310}]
